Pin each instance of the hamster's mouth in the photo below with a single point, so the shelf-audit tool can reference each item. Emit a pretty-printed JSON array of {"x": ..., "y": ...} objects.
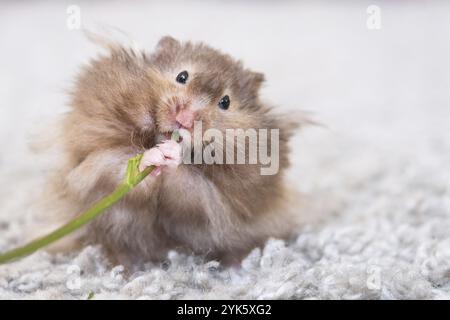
[{"x": 169, "y": 134}]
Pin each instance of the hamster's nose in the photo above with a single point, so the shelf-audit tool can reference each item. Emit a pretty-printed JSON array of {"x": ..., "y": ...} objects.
[{"x": 186, "y": 118}]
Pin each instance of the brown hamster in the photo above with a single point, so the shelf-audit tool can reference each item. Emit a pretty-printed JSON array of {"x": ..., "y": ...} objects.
[{"x": 128, "y": 102}]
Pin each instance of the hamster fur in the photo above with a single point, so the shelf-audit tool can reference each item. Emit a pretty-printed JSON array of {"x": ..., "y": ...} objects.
[{"x": 122, "y": 104}]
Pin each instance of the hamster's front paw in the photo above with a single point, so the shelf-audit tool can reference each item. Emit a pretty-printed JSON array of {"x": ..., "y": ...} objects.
[{"x": 167, "y": 153}]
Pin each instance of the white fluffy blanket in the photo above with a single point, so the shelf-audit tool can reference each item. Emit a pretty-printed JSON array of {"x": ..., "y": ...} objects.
[{"x": 381, "y": 165}]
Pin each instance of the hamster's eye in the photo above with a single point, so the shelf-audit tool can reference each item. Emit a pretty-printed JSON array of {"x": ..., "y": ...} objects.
[
  {"x": 224, "y": 103},
  {"x": 182, "y": 77}
]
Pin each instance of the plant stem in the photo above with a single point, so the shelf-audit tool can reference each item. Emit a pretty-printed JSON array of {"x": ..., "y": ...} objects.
[{"x": 133, "y": 178}]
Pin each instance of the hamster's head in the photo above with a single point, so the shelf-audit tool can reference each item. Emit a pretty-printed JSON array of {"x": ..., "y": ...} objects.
[
  {"x": 205, "y": 85},
  {"x": 131, "y": 99}
]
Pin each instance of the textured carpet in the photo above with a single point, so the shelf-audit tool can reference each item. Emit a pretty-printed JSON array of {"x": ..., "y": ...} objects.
[{"x": 381, "y": 165}]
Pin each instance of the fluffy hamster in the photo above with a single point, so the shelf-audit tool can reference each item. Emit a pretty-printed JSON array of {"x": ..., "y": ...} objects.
[{"x": 128, "y": 102}]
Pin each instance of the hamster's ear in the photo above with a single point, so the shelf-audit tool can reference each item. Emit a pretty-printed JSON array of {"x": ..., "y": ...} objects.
[
  {"x": 258, "y": 78},
  {"x": 167, "y": 43},
  {"x": 253, "y": 80},
  {"x": 165, "y": 51}
]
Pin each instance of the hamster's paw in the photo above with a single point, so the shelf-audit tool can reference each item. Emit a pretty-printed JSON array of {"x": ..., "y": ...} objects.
[
  {"x": 167, "y": 153},
  {"x": 172, "y": 153}
]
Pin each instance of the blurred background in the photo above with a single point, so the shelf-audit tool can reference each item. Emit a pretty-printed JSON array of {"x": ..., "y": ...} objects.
[
  {"x": 376, "y": 74},
  {"x": 319, "y": 56}
]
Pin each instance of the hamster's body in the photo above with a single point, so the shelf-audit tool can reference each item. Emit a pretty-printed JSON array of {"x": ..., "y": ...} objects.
[{"x": 123, "y": 104}]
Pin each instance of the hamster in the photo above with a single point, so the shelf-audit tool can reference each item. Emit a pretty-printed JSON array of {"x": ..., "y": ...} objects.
[{"x": 128, "y": 102}]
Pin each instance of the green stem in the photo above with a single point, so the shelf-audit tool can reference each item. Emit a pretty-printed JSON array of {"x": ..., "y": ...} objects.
[{"x": 133, "y": 178}]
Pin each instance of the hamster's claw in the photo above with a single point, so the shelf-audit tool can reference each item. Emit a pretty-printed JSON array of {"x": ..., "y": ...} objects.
[
  {"x": 171, "y": 151},
  {"x": 152, "y": 157},
  {"x": 167, "y": 153}
]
